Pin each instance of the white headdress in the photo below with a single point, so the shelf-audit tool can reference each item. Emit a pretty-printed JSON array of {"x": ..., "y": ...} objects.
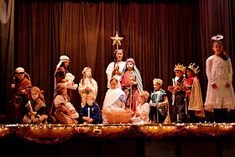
[
  {"x": 63, "y": 58},
  {"x": 69, "y": 77},
  {"x": 19, "y": 70}
]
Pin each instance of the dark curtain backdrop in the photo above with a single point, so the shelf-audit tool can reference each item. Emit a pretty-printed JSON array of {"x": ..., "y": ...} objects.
[{"x": 157, "y": 34}]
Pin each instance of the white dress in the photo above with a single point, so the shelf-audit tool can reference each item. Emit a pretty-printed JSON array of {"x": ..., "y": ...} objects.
[
  {"x": 109, "y": 71},
  {"x": 220, "y": 72}
]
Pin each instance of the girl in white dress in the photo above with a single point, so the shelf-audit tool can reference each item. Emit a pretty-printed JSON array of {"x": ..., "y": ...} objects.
[{"x": 220, "y": 94}]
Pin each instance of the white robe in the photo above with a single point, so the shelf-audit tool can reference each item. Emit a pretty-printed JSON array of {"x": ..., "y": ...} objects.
[
  {"x": 220, "y": 72},
  {"x": 111, "y": 100},
  {"x": 109, "y": 71}
]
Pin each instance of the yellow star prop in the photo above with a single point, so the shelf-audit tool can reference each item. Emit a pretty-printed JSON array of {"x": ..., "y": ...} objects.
[{"x": 116, "y": 39}]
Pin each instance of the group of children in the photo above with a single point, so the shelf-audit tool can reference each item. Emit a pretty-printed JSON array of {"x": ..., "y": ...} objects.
[{"x": 126, "y": 101}]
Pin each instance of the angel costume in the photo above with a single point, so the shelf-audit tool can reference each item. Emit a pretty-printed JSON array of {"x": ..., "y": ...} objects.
[{"x": 219, "y": 72}]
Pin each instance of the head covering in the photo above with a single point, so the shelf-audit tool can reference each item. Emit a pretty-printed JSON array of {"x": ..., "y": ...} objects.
[
  {"x": 194, "y": 69},
  {"x": 69, "y": 77},
  {"x": 217, "y": 39},
  {"x": 130, "y": 60},
  {"x": 180, "y": 67},
  {"x": 19, "y": 70},
  {"x": 85, "y": 69},
  {"x": 157, "y": 81},
  {"x": 63, "y": 58}
]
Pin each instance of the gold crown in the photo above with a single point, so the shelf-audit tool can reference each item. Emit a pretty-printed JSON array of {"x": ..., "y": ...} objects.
[
  {"x": 194, "y": 69},
  {"x": 157, "y": 81},
  {"x": 180, "y": 67}
]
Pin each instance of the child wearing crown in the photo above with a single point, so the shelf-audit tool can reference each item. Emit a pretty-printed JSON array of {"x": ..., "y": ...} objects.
[
  {"x": 158, "y": 103},
  {"x": 220, "y": 94},
  {"x": 193, "y": 94},
  {"x": 178, "y": 93}
]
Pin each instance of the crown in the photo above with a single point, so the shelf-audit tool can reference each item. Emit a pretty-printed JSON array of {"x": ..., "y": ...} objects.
[
  {"x": 157, "y": 81},
  {"x": 193, "y": 68},
  {"x": 180, "y": 67}
]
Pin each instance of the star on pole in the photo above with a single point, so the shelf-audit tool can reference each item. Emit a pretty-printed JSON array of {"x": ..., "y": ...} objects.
[{"x": 116, "y": 40}]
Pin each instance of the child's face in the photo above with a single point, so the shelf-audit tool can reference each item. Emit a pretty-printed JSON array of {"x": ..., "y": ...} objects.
[
  {"x": 34, "y": 95},
  {"x": 113, "y": 84},
  {"x": 119, "y": 55},
  {"x": 178, "y": 73},
  {"x": 129, "y": 66},
  {"x": 190, "y": 73},
  {"x": 142, "y": 99},
  {"x": 66, "y": 63},
  {"x": 217, "y": 48},
  {"x": 19, "y": 76},
  {"x": 89, "y": 101},
  {"x": 88, "y": 73},
  {"x": 157, "y": 86}
]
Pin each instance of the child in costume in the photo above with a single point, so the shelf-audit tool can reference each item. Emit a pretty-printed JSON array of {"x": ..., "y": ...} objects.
[
  {"x": 90, "y": 112},
  {"x": 65, "y": 113},
  {"x": 193, "y": 94},
  {"x": 131, "y": 83},
  {"x": 87, "y": 85},
  {"x": 220, "y": 94},
  {"x": 178, "y": 93},
  {"x": 158, "y": 103},
  {"x": 115, "y": 68},
  {"x": 36, "y": 108},
  {"x": 141, "y": 115}
]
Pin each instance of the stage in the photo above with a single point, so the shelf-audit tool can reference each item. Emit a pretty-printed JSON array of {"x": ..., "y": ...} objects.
[{"x": 200, "y": 139}]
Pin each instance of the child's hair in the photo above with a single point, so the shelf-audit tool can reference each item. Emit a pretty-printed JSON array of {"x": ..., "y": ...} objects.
[
  {"x": 224, "y": 56},
  {"x": 37, "y": 90},
  {"x": 144, "y": 94},
  {"x": 113, "y": 79},
  {"x": 59, "y": 88}
]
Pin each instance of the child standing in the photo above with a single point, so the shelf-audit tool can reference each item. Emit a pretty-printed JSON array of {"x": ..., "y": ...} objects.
[
  {"x": 131, "y": 83},
  {"x": 178, "y": 92},
  {"x": 193, "y": 94},
  {"x": 220, "y": 94},
  {"x": 158, "y": 102}
]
